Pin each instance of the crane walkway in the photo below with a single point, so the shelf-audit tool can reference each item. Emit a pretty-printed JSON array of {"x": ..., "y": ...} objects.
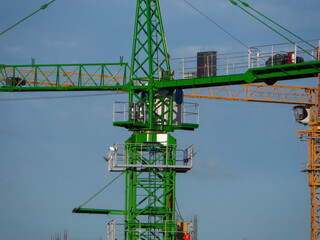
[{"x": 268, "y": 64}]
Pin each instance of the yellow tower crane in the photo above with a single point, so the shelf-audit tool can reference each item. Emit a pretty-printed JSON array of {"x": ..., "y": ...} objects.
[{"x": 307, "y": 113}]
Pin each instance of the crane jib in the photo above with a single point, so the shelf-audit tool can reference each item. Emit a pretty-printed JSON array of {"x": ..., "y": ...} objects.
[{"x": 89, "y": 77}]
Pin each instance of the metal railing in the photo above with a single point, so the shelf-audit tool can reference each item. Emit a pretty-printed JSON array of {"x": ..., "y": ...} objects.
[
  {"x": 191, "y": 113},
  {"x": 117, "y": 229},
  {"x": 255, "y": 57},
  {"x": 183, "y": 113},
  {"x": 161, "y": 156},
  {"x": 120, "y": 111}
]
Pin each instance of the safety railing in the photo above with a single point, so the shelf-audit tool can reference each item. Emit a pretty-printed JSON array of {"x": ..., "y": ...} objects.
[
  {"x": 144, "y": 156},
  {"x": 182, "y": 113},
  {"x": 285, "y": 53},
  {"x": 217, "y": 64},
  {"x": 118, "y": 229},
  {"x": 191, "y": 113},
  {"x": 120, "y": 111}
]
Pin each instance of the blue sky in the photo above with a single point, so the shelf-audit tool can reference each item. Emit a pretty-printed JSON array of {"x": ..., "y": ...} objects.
[{"x": 246, "y": 181}]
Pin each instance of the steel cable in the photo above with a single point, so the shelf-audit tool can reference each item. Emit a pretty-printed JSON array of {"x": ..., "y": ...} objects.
[
  {"x": 41, "y": 8},
  {"x": 224, "y": 30}
]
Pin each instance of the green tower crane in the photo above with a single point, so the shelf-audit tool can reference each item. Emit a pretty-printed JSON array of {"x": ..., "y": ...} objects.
[{"x": 151, "y": 158}]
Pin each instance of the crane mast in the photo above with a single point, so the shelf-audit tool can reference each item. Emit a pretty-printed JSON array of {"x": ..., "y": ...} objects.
[
  {"x": 151, "y": 153},
  {"x": 149, "y": 157}
]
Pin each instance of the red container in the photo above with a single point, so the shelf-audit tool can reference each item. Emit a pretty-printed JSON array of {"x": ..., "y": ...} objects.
[
  {"x": 187, "y": 237},
  {"x": 291, "y": 58}
]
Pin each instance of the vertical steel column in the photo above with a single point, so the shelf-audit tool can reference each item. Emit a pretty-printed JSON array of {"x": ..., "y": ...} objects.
[
  {"x": 150, "y": 193},
  {"x": 314, "y": 179},
  {"x": 149, "y": 53},
  {"x": 314, "y": 171}
]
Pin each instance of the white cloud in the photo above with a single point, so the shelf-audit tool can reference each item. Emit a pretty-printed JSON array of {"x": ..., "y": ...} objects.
[{"x": 214, "y": 169}]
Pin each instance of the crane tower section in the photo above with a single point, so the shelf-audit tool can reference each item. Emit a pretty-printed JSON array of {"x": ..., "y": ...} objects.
[{"x": 151, "y": 157}]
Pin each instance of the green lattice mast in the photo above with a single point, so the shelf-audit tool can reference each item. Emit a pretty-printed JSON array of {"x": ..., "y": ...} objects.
[
  {"x": 150, "y": 189},
  {"x": 150, "y": 158}
]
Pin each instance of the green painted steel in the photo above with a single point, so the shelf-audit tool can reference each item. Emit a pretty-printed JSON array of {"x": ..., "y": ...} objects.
[
  {"x": 43, "y": 7},
  {"x": 137, "y": 126},
  {"x": 112, "y": 77},
  {"x": 149, "y": 52},
  {"x": 149, "y": 208},
  {"x": 277, "y": 32},
  {"x": 269, "y": 75},
  {"x": 64, "y": 77},
  {"x": 150, "y": 58},
  {"x": 98, "y": 211},
  {"x": 150, "y": 194}
]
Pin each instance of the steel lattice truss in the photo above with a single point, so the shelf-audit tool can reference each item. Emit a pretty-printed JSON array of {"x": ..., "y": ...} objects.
[
  {"x": 149, "y": 53},
  {"x": 149, "y": 208}
]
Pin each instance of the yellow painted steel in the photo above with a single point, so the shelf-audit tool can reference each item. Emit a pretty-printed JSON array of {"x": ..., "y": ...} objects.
[
  {"x": 286, "y": 95},
  {"x": 182, "y": 230},
  {"x": 313, "y": 169},
  {"x": 258, "y": 93}
]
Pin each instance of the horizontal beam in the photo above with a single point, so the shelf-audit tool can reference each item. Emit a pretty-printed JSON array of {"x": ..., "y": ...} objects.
[
  {"x": 268, "y": 75},
  {"x": 112, "y": 77},
  {"x": 64, "y": 77},
  {"x": 62, "y": 89},
  {"x": 258, "y": 93},
  {"x": 98, "y": 211}
]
